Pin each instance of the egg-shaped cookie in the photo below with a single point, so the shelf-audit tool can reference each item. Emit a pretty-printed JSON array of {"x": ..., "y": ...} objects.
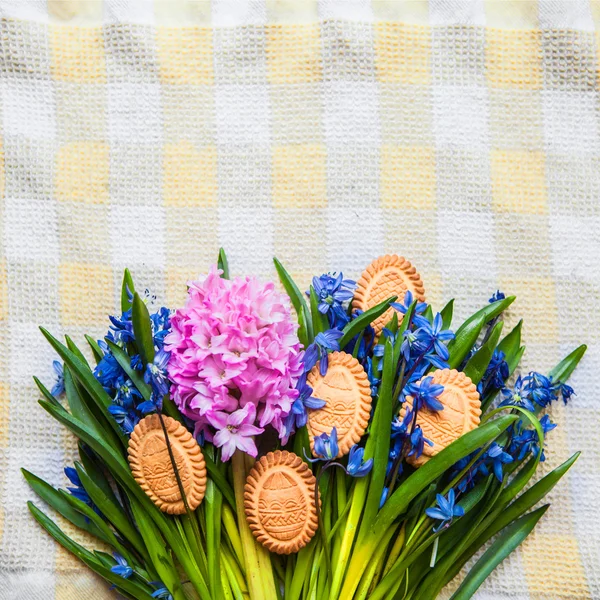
[
  {"x": 152, "y": 467},
  {"x": 461, "y": 413},
  {"x": 279, "y": 502},
  {"x": 387, "y": 276},
  {"x": 346, "y": 391}
]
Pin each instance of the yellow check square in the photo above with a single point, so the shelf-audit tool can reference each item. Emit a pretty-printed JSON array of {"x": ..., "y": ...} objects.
[
  {"x": 408, "y": 177},
  {"x": 402, "y": 53},
  {"x": 299, "y": 175},
  {"x": 518, "y": 181},
  {"x": 187, "y": 57},
  {"x": 189, "y": 175},
  {"x": 293, "y": 53},
  {"x": 514, "y": 58},
  {"x": 82, "y": 170},
  {"x": 86, "y": 293},
  {"x": 77, "y": 54}
]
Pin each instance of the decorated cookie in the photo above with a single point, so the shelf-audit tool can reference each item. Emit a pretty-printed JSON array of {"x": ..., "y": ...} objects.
[
  {"x": 279, "y": 501},
  {"x": 346, "y": 392},
  {"x": 152, "y": 467},
  {"x": 462, "y": 409},
  {"x": 389, "y": 275}
]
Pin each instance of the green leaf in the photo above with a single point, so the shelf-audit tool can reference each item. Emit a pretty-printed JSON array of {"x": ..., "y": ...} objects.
[
  {"x": 111, "y": 510},
  {"x": 80, "y": 410},
  {"x": 73, "y": 348},
  {"x": 136, "y": 377},
  {"x": 490, "y": 311},
  {"x": 305, "y": 333},
  {"x": 129, "y": 587},
  {"x": 85, "y": 376},
  {"x": 447, "y": 313},
  {"x": 380, "y": 435},
  {"x": 511, "y": 342},
  {"x": 223, "y": 263},
  {"x": 463, "y": 341},
  {"x": 436, "y": 466},
  {"x": 155, "y": 545},
  {"x": 96, "y": 350},
  {"x": 514, "y": 361},
  {"x": 562, "y": 371},
  {"x": 95, "y": 470},
  {"x": 55, "y": 499},
  {"x": 508, "y": 541},
  {"x": 504, "y": 515},
  {"x": 142, "y": 329},
  {"x": 127, "y": 285},
  {"x": 366, "y": 318},
  {"x": 99, "y": 522},
  {"x": 478, "y": 363},
  {"x": 46, "y": 393},
  {"x": 319, "y": 320},
  {"x": 428, "y": 313},
  {"x": 219, "y": 480},
  {"x": 464, "y": 333},
  {"x": 474, "y": 496}
]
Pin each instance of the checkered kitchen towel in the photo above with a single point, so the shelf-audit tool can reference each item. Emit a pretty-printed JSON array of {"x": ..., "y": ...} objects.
[{"x": 473, "y": 150}]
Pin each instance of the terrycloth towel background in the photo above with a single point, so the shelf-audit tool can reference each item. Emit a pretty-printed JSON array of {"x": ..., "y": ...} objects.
[{"x": 461, "y": 134}]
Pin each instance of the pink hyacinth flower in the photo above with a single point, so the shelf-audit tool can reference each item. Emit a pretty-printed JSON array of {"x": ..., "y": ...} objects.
[{"x": 235, "y": 430}]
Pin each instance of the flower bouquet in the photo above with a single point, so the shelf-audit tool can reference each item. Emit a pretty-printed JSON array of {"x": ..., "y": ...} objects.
[{"x": 349, "y": 442}]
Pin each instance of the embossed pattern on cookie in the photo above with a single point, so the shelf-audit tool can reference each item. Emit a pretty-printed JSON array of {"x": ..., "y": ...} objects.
[
  {"x": 152, "y": 468},
  {"x": 279, "y": 502},
  {"x": 461, "y": 414},
  {"x": 389, "y": 275},
  {"x": 346, "y": 392}
]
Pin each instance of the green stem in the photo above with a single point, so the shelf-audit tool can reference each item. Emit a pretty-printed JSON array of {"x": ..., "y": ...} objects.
[{"x": 252, "y": 565}]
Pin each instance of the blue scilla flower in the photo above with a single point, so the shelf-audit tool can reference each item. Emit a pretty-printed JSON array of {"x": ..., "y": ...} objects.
[
  {"x": 136, "y": 362},
  {"x": 78, "y": 491},
  {"x": 525, "y": 441},
  {"x": 541, "y": 389},
  {"x": 318, "y": 350},
  {"x": 356, "y": 466},
  {"x": 497, "y": 295},
  {"x": 417, "y": 442},
  {"x": 126, "y": 391},
  {"x": 156, "y": 373},
  {"x": 384, "y": 496},
  {"x": 299, "y": 415},
  {"x": 402, "y": 307},
  {"x": 496, "y": 373},
  {"x": 152, "y": 405},
  {"x": 374, "y": 379},
  {"x": 518, "y": 396},
  {"x": 162, "y": 593},
  {"x": 433, "y": 359},
  {"x": 59, "y": 385},
  {"x": 566, "y": 391},
  {"x": 122, "y": 568},
  {"x": 161, "y": 324},
  {"x": 432, "y": 336},
  {"x": 109, "y": 372},
  {"x": 127, "y": 418},
  {"x": 499, "y": 458},
  {"x": 121, "y": 329},
  {"x": 409, "y": 344},
  {"x": 425, "y": 393},
  {"x": 333, "y": 291},
  {"x": 445, "y": 511},
  {"x": 326, "y": 446}
]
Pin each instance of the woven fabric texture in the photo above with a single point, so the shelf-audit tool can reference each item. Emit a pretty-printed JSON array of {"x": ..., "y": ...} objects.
[{"x": 472, "y": 150}]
